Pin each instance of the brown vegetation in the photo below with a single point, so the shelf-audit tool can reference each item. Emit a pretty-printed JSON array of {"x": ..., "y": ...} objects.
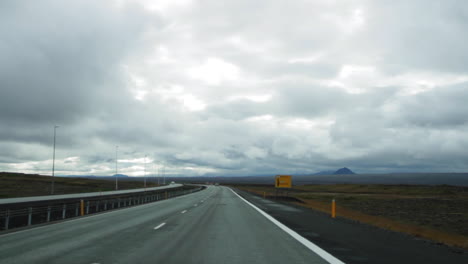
[
  {"x": 24, "y": 185},
  {"x": 438, "y": 213}
]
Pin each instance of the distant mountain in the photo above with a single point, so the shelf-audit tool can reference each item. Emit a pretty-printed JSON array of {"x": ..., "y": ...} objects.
[
  {"x": 324, "y": 173},
  {"x": 97, "y": 177},
  {"x": 120, "y": 175},
  {"x": 343, "y": 171}
]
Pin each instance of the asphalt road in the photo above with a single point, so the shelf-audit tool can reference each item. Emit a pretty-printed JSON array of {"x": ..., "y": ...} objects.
[
  {"x": 82, "y": 195},
  {"x": 210, "y": 226},
  {"x": 357, "y": 243}
]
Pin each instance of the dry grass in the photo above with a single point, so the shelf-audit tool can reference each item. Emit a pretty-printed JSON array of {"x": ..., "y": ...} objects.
[
  {"x": 24, "y": 185},
  {"x": 438, "y": 213}
]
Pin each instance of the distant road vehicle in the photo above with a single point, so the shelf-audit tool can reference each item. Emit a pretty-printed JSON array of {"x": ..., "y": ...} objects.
[{"x": 172, "y": 182}]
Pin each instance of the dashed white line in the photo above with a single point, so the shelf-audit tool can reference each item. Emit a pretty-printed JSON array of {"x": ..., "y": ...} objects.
[
  {"x": 183, "y": 212},
  {"x": 195, "y": 205},
  {"x": 159, "y": 226}
]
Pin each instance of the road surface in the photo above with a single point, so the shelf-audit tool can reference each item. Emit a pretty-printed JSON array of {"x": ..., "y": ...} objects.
[
  {"x": 211, "y": 226},
  {"x": 356, "y": 243},
  {"x": 82, "y": 195}
]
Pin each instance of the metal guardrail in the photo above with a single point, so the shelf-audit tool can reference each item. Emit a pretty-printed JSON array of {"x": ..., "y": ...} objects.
[{"x": 26, "y": 214}]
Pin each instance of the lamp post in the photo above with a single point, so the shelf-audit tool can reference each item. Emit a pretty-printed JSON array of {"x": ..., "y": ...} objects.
[
  {"x": 159, "y": 173},
  {"x": 53, "y": 162},
  {"x": 116, "y": 176},
  {"x": 153, "y": 171},
  {"x": 144, "y": 178}
]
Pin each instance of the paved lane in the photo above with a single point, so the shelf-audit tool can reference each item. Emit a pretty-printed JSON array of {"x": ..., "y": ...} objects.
[
  {"x": 211, "y": 226},
  {"x": 83, "y": 195}
]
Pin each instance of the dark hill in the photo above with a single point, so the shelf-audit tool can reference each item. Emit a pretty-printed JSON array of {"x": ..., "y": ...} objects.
[{"x": 344, "y": 171}]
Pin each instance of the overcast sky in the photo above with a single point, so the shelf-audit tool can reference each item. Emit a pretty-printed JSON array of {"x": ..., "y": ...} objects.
[{"x": 235, "y": 87}]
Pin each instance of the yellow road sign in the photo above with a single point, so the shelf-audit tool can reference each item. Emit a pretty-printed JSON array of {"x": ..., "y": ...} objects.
[{"x": 283, "y": 181}]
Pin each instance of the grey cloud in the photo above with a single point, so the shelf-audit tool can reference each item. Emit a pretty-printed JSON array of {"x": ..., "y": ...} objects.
[
  {"x": 442, "y": 107},
  {"x": 70, "y": 64},
  {"x": 59, "y": 59}
]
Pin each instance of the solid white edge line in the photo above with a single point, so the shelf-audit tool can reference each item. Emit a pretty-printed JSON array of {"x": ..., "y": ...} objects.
[
  {"x": 316, "y": 249},
  {"x": 159, "y": 226},
  {"x": 183, "y": 212}
]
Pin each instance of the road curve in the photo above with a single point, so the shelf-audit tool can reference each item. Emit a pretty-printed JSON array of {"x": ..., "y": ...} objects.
[{"x": 210, "y": 226}]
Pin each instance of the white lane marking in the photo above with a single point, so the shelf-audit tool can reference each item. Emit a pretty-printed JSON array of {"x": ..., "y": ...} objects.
[
  {"x": 159, "y": 226},
  {"x": 183, "y": 212},
  {"x": 316, "y": 249},
  {"x": 195, "y": 205},
  {"x": 100, "y": 214}
]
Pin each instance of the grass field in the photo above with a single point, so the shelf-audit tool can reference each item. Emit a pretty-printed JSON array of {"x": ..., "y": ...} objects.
[
  {"x": 24, "y": 185},
  {"x": 438, "y": 213}
]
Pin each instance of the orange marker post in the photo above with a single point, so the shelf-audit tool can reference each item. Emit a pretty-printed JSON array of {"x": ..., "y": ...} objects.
[
  {"x": 81, "y": 207},
  {"x": 333, "y": 209}
]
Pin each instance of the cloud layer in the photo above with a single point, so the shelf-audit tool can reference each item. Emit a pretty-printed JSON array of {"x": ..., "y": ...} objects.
[{"x": 233, "y": 87}]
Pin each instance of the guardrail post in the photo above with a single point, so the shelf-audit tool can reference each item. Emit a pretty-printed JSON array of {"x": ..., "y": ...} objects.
[
  {"x": 333, "y": 209},
  {"x": 76, "y": 209},
  {"x": 97, "y": 206},
  {"x": 64, "y": 211},
  {"x": 29, "y": 216},
  {"x": 87, "y": 207},
  {"x": 7, "y": 218},
  {"x": 48, "y": 213},
  {"x": 105, "y": 205}
]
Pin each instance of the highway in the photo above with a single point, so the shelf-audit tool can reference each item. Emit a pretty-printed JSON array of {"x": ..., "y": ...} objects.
[
  {"x": 83, "y": 195},
  {"x": 211, "y": 226}
]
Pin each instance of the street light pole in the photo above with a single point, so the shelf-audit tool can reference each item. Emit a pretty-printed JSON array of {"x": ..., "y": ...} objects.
[
  {"x": 159, "y": 174},
  {"x": 154, "y": 173},
  {"x": 53, "y": 162},
  {"x": 116, "y": 176},
  {"x": 145, "y": 172}
]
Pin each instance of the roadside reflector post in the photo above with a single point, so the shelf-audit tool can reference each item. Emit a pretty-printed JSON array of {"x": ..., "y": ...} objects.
[
  {"x": 7, "y": 218},
  {"x": 81, "y": 207},
  {"x": 29, "y": 216},
  {"x": 64, "y": 211},
  {"x": 48, "y": 214},
  {"x": 333, "y": 209}
]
